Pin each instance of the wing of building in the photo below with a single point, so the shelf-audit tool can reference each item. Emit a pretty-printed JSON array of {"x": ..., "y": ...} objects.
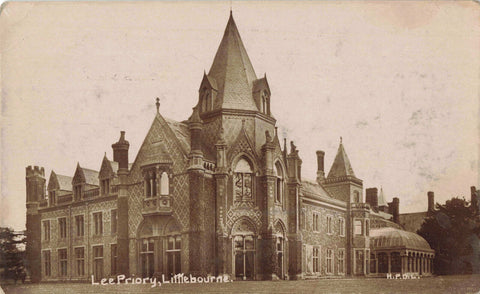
[{"x": 215, "y": 194}]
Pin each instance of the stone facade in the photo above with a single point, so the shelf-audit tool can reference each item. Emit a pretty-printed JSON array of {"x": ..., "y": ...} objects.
[{"x": 215, "y": 194}]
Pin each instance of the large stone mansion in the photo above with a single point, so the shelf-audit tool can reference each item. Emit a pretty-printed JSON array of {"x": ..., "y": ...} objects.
[{"x": 216, "y": 194}]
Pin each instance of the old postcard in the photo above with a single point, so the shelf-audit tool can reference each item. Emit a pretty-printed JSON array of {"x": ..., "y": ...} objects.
[{"x": 208, "y": 146}]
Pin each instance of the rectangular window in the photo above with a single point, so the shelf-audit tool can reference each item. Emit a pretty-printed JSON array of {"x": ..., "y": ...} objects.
[
  {"x": 79, "y": 225},
  {"x": 316, "y": 260},
  {"x": 358, "y": 227},
  {"x": 341, "y": 225},
  {"x": 98, "y": 223},
  {"x": 46, "y": 230},
  {"x": 113, "y": 261},
  {"x": 80, "y": 261},
  {"x": 62, "y": 262},
  {"x": 105, "y": 187},
  {"x": 341, "y": 261},
  {"x": 98, "y": 262},
  {"x": 316, "y": 222},
  {"x": 62, "y": 227},
  {"x": 46, "y": 263},
  {"x": 329, "y": 225},
  {"x": 77, "y": 192},
  {"x": 113, "y": 221},
  {"x": 329, "y": 261},
  {"x": 52, "y": 198}
]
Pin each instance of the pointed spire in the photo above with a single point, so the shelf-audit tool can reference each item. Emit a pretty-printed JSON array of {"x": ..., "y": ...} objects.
[
  {"x": 381, "y": 198},
  {"x": 341, "y": 165},
  {"x": 233, "y": 71}
]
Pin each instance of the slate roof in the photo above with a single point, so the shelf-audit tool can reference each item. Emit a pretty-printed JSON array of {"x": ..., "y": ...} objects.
[
  {"x": 341, "y": 165},
  {"x": 64, "y": 182},
  {"x": 233, "y": 72},
  {"x": 114, "y": 166},
  {"x": 315, "y": 191},
  {"x": 180, "y": 130},
  {"x": 91, "y": 176},
  {"x": 390, "y": 238}
]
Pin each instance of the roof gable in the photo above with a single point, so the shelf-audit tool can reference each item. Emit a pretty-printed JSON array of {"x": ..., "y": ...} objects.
[
  {"x": 85, "y": 176},
  {"x": 107, "y": 170}
]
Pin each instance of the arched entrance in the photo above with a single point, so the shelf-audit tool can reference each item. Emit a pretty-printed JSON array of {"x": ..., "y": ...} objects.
[
  {"x": 159, "y": 246},
  {"x": 244, "y": 248},
  {"x": 279, "y": 234}
]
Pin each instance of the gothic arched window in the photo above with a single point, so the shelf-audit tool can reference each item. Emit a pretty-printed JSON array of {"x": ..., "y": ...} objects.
[
  {"x": 206, "y": 100},
  {"x": 279, "y": 182},
  {"x": 264, "y": 103},
  {"x": 164, "y": 182},
  {"x": 243, "y": 181}
]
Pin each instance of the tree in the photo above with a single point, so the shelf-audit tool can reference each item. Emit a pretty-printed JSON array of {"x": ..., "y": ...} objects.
[
  {"x": 11, "y": 254},
  {"x": 453, "y": 231}
]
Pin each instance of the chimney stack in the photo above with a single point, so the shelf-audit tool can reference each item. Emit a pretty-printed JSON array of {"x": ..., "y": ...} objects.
[
  {"x": 431, "y": 201},
  {"x": 120, "y": 152},
  {"x": 396, "y": 210},
  {"x": 372, "y": 197},
  {"x": 320, "y": 166}
]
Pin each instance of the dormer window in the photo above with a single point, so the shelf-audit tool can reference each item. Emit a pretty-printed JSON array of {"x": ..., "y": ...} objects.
[
  {"x": 206, "y": 99},
  {"x": 105, "y": 186},
  {"x": 52, "y": 197},
  {"x": 265, "y": 101},
  {"x": 77, "y": 192}
]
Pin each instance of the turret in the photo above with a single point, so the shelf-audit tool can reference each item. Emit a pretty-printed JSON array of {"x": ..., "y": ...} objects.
[
  {"x": 35, "y": 180},
  {"x": 195, "y": 125},
  {"x": 394, "y": 207},
  {"x": 120, "y": 152}
]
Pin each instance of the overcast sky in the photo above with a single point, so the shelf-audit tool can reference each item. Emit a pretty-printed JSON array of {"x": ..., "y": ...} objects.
[{"x": 399, "y": 81}]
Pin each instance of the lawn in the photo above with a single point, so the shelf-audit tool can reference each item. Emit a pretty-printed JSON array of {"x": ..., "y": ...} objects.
[{"x": 437, "y": 285}]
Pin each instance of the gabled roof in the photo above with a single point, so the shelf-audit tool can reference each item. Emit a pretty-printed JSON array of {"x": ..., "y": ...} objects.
[
  {"x": 181, "y": 132},
  {"x": 341, "y": 165},
  {"x": 85, "y": 175},
  {"x": 59, "y": 182},
  {"x": 261, "y": 84},
  {"x": 313, "y": 190},
  {"x": 233, "y": 72},
  {"x": 91, "y": 176},
  {"x": 64, "y": 182}
]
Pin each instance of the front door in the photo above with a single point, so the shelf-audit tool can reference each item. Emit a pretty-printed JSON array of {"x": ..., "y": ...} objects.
[{"x": 244, "y": 252}]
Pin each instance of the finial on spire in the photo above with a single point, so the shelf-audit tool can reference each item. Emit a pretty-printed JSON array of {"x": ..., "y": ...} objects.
[
  {"x": 341, "y": 140},
  {"x": 158, "y": 104},
  {"x": 230, "y": 7}
]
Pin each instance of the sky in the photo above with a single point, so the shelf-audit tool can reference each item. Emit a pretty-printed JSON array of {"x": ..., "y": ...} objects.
[{"x": 399, "y": 81}]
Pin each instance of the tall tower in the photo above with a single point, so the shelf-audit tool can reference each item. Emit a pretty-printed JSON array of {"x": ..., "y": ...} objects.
[
  {"x": 342, "y": 183},
  {"x": 35, "y": 180}
]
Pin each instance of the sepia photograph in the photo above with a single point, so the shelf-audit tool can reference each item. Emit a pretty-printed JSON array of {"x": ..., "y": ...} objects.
[{"x": 240, "y": 147}]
